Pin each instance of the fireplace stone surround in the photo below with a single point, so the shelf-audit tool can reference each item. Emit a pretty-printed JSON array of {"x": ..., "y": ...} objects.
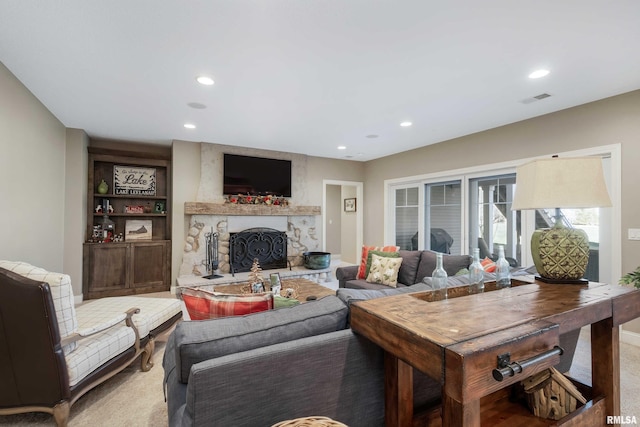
[
  {"x": 296, "y": 222},
  {"x": 210, "y": 213}
]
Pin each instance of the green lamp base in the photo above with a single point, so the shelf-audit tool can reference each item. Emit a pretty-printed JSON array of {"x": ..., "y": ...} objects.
[{"x": 560, "y": 254}]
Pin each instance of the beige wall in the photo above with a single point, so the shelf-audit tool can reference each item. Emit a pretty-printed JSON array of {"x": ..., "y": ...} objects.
[
  {"x": 609, "y": 121},
  {"x": 349, "y": 226},
  {"x": 75, "y": 211},
  {"x": 333, "y": 220},
  {"x": 32, "y": 178},
  {"x": 186, "y": 178}
]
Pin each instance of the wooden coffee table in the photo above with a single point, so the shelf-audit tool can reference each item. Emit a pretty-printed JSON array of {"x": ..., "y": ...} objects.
[{"x": 304, "y": 287}]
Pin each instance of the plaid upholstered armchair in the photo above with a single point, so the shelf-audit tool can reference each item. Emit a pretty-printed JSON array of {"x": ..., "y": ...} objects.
[{"x": 52, "y": 353}]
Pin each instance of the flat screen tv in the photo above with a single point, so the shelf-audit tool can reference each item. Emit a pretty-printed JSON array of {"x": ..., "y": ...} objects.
[{"x": 256, "y": 176}]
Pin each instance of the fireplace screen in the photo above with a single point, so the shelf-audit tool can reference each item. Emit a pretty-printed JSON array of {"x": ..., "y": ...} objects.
[{"x": 269, "y": 246}]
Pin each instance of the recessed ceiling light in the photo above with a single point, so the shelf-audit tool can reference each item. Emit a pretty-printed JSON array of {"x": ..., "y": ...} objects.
[
  {"x": 341, "y": 147},
  {"x": 405, "y": 124},
  {"x": 204, "y": 80},
  {"x": 538, "y": 73},
  {"x": 189, "y": 125}
]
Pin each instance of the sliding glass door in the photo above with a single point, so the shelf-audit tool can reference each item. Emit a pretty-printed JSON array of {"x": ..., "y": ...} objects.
[{"x": 443, "y": 217}]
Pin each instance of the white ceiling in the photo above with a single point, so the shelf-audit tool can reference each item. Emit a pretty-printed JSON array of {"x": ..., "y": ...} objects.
[{"x": 306, "y": 76}]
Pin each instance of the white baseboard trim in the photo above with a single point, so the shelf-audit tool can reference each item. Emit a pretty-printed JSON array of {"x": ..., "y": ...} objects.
[
  {"x": 77, "y": 299},
  {"x": 629, "y": 337}
]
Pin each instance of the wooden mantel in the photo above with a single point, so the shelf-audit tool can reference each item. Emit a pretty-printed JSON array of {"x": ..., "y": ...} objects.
[{"x": 204, "y": 208}]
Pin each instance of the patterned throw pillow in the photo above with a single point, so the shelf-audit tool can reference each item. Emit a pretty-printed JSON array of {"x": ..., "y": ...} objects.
[
  {"x": 379, "y": 253},
  {"x": 203, "y": 304},
  {"x": 362, "y": 269},
  {"x": 384, "y": 270}
]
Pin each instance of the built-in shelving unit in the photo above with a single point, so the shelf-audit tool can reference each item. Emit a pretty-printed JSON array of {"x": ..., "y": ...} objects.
[{"x": 131, "y": 265}]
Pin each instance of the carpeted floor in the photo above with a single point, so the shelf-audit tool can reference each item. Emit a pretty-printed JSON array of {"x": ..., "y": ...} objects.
[{"x": 134, "y": 398}]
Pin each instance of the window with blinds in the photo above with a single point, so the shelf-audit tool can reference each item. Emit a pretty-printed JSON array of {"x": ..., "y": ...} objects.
[
  {"x": 491, "y": 220},
  {"x": 443, "y": 217},
  {"x": 406, "y": 207}
]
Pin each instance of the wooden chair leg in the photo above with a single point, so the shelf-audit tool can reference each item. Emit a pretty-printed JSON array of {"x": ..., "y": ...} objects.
[
  {"x": 61, "y": 413},
  {"x": 147, "y": 352}
]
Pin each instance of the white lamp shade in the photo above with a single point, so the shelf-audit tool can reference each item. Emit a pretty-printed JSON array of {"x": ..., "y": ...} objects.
[{"x": 576, "y": 182}]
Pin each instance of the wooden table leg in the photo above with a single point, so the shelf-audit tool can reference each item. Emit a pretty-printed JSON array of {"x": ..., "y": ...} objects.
[
  {"x": 605, "y": 364},
  {"x": 456, "y": 414},
  {"x": 398, "y": 385}
]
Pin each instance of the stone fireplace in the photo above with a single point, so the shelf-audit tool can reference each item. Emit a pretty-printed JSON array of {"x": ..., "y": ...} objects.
[
  {"x": 300, "y": 231},
  {"x": 210, "y": 213}
]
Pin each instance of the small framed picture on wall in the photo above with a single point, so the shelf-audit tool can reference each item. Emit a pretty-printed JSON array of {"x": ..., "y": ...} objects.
[{"x": 350, "y": 205}]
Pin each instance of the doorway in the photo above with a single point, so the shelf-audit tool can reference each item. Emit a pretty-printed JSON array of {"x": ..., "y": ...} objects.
[{"x": 342, "y": 229}]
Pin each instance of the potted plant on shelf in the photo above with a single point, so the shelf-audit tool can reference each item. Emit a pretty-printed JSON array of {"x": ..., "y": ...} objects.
[{"x": 632, "y": 278}]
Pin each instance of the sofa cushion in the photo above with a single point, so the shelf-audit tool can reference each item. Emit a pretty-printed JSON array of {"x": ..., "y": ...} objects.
[
  {"x": 384, "y": 270},
  {"x": 203, "y": 304},
  {"x": 363, "y": 284},
  {"x": 451, "y": 263},
  {"x": 349, "y": 296},
  {"x": 409, "y": 267},
  {"x": 362, "y": 269},
  {"x": 153, "y": 311},
  {"x": 207, "y": 339},
  {"x": 61, "y": 293}
]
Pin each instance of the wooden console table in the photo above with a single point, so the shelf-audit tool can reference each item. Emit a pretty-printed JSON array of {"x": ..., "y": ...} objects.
[{"x": 458, "y": 341}]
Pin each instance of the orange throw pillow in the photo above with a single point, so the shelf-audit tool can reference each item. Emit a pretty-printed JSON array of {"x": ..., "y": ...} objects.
[
  {"x": 489, "y": 265},
  {"x": 362, "y": 269}
]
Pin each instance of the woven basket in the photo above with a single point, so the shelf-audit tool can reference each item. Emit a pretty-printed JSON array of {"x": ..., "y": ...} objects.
[{"x": 310, "y": 422}]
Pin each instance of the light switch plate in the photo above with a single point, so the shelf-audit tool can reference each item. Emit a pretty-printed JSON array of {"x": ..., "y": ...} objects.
[{"x": 634, "y": 234}]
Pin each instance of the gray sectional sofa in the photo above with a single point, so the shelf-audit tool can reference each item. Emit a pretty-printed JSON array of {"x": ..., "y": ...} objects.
[
  {"x": 415, "y": 266},
  {"x": 259, "y": 369}
]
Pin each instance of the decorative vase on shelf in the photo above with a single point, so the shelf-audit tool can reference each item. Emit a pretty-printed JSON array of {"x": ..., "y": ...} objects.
[{"x": 103, "y": 187}]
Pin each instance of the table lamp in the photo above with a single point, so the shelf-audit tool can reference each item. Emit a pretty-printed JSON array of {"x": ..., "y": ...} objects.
[{"x": 560, "y": 253}]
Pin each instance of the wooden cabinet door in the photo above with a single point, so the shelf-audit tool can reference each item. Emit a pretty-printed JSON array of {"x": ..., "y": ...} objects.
[
  {"x": 149, "y": 262},
  {"x": 105, "y": 269}
]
